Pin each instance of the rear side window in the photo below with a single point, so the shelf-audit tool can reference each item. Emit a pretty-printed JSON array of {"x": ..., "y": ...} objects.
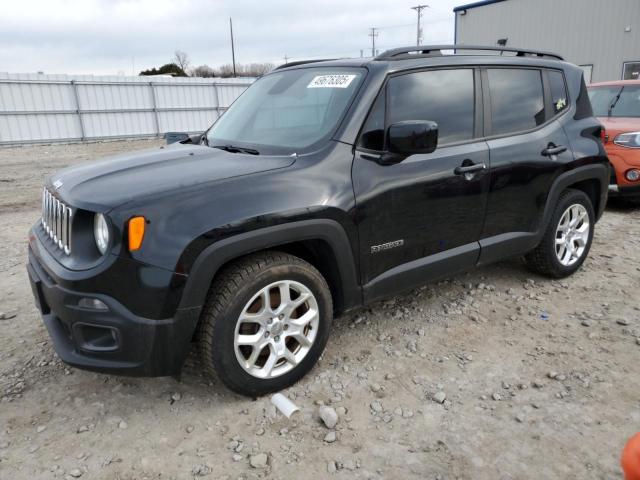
[
  {"x": 442, "y": 96},
  {"x": 559, "y": 96},
  {"x": 517, "y": 99}
]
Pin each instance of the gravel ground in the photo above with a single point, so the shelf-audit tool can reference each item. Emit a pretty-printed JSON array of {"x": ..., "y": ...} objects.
[{"x": 466, "y": 378}]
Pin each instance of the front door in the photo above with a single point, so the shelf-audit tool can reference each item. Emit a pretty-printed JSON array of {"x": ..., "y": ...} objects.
[{"x": 421, "y": 218}]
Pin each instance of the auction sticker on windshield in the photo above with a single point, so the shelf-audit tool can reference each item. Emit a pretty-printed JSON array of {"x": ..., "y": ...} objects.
[{"x": 331, "y": 81}]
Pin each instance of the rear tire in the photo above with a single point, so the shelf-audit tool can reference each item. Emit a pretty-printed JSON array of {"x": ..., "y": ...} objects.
[
  {"x": 567, "y": 239},
  {"x": 265, "y": 323}
]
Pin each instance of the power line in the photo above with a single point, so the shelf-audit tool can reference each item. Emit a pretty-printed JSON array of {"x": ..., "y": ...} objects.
[
  {"x": 419, "y": 9},
  {"x": 373, "y": 36}
]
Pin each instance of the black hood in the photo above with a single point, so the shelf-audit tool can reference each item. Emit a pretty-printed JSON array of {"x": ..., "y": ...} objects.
[{"x": 108, "y": 183}]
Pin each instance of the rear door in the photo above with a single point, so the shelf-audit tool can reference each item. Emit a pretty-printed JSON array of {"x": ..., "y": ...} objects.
[{"x": 528, "y": 149}]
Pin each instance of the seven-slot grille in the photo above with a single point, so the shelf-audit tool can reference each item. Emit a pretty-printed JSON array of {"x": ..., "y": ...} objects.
[{"x": 56, "y": 221}]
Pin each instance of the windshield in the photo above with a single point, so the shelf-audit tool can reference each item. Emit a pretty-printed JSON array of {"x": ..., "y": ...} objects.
[
  {"x": 287, "y": 111},
  {"x": 615, "y": 101}
]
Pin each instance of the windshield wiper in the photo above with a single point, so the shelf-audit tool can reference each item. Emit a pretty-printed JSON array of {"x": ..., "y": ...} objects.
[
  {"x": 613, "y": 104},
  {"x": 234, "y": 149}
]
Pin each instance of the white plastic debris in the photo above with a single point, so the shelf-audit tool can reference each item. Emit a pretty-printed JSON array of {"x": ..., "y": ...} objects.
[{"x": 286, "y": 406}]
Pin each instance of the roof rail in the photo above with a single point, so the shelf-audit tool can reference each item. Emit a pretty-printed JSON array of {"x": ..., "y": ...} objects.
[
  {"x": 403, "y": 53},
  {"x": 302, "y": 62}
]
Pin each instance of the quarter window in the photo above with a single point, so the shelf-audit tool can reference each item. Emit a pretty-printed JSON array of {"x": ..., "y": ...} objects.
[
  {"x": 442, "y": 96},
  {"x": 372, "y": 137},
  {"x": 558, "y": 92},
  {"x": 517, "y": 101}
]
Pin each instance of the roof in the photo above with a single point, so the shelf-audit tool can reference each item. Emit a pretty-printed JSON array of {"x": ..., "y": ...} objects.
[
  {"x": 615, "y": 83},
  {"x": 476, "y": 4}
]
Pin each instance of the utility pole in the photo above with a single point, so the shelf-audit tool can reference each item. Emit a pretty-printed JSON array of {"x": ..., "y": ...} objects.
[
  {"x": 286, "y": 59},
  {"x": 373, "y": 36},
  {"x": 419, "y": 9},
  {"x": 233, "y": 52}
]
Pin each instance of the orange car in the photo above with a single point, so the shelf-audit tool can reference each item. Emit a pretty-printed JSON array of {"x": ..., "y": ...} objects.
[{"x": 617, "y": 106}]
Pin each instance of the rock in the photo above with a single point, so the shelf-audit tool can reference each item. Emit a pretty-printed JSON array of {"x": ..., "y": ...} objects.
[
  {"x": 75, "y": 473},
  {"x": 7, "y": 316},
  {"x": 330, "y": 437},
  {"x": 497, "y": 397},
  {"x": 439, "y": 396},
  {"x": 237, "y": 457},
  {"x": 375, "y": 387},
  {"x": 176, "y": 397},
  {"x": 328, "y": 416},
  {"x": 258, "y": 460},
  {"x": 552, "y": 374},
  {"x": 123, "y": 425},
  {"x": 376, "y": 406},
  {"x": 200, "y": 470},
  {"x": 190, "y": 428},
  {"x": 41, "y": 428},
  {"x": 331, "y": 467},
  {"x": 585, "y": 323},
  {"x": 520, "y": 418},
  {"x": 622, "y": 321}
]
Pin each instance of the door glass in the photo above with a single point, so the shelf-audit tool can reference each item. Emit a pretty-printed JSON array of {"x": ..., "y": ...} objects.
[
  {"x": 517, "y": 101},
  {"x": 443, "y": 96}
]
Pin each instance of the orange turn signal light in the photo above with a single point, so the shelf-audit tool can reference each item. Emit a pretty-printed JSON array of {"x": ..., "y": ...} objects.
[{"x": 136, "y": 233}]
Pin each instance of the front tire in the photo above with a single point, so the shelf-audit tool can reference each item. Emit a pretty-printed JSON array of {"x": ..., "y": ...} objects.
[
  {"x": 265, "y": 323},
  {"x": 567, "y": 240}
]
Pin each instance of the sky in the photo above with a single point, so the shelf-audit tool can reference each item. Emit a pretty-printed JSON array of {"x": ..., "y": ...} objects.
[{"x": 122, "y": 37}]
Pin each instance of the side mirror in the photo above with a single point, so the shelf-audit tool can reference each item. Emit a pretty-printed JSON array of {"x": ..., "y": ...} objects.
[
  {"x": 408, "y": 138},
  {"x": 173, "y": 137}
]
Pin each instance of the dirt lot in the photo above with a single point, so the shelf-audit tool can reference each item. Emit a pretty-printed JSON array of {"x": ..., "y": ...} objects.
[{"x": 524, "y": 396}]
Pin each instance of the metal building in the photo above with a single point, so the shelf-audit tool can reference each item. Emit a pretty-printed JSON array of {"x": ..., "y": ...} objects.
[{"x": 603, "y": 37}]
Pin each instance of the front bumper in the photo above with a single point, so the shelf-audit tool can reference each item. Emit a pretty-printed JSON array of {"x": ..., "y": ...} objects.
[
  {"x": 111, "y": 340},
  {"x": 624, "y": 191}
]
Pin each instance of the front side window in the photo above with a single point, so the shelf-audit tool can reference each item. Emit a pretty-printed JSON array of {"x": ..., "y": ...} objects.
[
  {"x": 287, "y": 111},
  {"x": 615, "y": 101},
  {"x": 517, "y": 99},
  {"x": 442, "y": 96}
]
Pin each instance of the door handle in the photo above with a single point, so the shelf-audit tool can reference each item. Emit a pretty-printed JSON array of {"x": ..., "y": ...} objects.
[
  {"x": 469, "y": 168},
  {"x": 553, "y": 150}
]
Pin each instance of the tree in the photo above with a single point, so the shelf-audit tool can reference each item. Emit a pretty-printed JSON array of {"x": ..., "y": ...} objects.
[
  {"x": 166, "y": 69},
  {"x": 251, "y": 70},
  {"x": 203, "y": 71},
  {"x": 181, "y": 59}
]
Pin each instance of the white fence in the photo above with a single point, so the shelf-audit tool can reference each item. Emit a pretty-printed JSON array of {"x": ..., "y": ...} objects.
[{"x": 36, "y": 108}]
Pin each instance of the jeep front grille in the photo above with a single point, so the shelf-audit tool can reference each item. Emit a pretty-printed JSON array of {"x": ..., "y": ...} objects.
[{"x": 56, "y": 221}]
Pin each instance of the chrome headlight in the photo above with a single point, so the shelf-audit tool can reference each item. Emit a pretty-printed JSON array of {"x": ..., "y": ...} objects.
[
  {"x": 631, "y": 140},
  {"x": 101, "y": 232}
]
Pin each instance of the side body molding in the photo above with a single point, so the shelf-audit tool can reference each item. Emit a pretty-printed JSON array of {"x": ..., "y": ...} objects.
[{"x": 216, "y": 255}]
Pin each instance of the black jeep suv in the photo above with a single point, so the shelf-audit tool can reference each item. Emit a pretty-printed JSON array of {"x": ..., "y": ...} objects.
[{"x": 327, "y": 185}]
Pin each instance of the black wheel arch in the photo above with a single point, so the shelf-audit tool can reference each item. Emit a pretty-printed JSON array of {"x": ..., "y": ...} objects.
[{"x": 297, "y": 238}]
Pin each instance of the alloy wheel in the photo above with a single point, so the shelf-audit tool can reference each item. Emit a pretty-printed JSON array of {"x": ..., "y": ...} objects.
[
  {"x": 572, "y": 234},
  {"x": 276, "y": 329}
]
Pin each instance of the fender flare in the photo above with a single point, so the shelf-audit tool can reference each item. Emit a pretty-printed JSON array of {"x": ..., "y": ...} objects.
[
  {"x": 588, "y": 172},
  {"x": 213, "y": 257}
]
